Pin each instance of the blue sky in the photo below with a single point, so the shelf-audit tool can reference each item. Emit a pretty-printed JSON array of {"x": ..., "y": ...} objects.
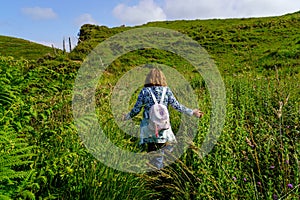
[{"x": 49, "y": 21}]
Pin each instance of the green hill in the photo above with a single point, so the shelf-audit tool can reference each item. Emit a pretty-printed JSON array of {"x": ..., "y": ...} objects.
[
  {"x": 256, "y": 43},
  {"x": 20, "y": 48},
  {"x": 255, "y": 157}
]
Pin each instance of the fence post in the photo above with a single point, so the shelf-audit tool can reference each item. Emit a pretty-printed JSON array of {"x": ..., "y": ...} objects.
[{"x": 70, "y": 45}]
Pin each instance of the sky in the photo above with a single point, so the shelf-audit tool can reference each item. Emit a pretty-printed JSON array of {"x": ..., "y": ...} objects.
[{"x": 48, "y": 22}]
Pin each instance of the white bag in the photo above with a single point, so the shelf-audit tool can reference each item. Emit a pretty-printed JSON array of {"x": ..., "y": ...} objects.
[{"x": 158, "y": 115}]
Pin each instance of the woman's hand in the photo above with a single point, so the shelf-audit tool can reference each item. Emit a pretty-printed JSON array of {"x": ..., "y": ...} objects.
[{"x": 198, "y": 113}]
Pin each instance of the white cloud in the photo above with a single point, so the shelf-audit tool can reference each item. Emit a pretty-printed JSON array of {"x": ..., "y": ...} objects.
[
  {"x": 144, "y": 11},
  {"x": 38, "y": 13},
  {"x": 266, "y": 7},
  {"x": 148, "y": 10},
  {"x": 192, "y": 9},
  {"x": 85, "y": 19},
  {"x": 46, "y": 43},
  {"x": 59, "y": 44}
]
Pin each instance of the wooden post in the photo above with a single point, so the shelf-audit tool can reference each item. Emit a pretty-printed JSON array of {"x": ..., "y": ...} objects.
[
  {"x": 54, "y": 50},
  {"x": 70, "y": 45},
  {"x": 64, "y": 45}
]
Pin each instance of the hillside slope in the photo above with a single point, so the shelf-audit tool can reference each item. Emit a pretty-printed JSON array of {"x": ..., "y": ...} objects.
[
  {"x": 44, "y": 156},
  {"x": 20, "y": 48},
  {"x": 235, "y": 44}
]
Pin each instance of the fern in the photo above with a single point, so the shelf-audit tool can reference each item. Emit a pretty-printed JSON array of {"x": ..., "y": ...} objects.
[
  {"x": 6, "y": 98},
  {"x": 4, "y": 197},
  {"x": 9, "y": 174},
  {"x": 14, "y": 151},
  {"x": 15, "y": 157}
]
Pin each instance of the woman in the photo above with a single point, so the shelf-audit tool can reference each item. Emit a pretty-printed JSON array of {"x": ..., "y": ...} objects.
[{"x": 156, "y": 82}]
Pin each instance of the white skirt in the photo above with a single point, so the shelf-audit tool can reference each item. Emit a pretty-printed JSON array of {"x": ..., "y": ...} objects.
[{"x": 147, "y": 135}]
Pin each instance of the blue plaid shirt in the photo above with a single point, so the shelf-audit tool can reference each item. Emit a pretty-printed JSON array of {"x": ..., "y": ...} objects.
[{"x": 145, "y": 100}]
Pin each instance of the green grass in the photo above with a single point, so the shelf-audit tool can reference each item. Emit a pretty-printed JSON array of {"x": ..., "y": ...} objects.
[
  {"x": 20, "y": 48},
  {"x": 235, "y": 44},
  {"x": 256, "y": 156}
]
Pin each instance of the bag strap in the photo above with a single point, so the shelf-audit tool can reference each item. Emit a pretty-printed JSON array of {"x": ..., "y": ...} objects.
[
  {"x": 153, "y": 96},
  {"x": 162, "y": 96}
]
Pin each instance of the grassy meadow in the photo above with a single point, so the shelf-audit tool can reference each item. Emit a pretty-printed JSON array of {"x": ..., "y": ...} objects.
[
  {"x": 256, "y": 156},
  {"x": 20, "y": 48}
]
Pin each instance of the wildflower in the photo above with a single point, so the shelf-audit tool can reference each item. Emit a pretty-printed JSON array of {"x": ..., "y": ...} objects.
[
  {"x": 275, "y": 197},
  {"x": 272, "y": 167},
  {"x": 245, "y": 179},
  {"x": 258, "y": 183},
  {"x": 287, "y": 162},
  {"x": 290, "y": 186},
  {"x": 234, "y": 178}
]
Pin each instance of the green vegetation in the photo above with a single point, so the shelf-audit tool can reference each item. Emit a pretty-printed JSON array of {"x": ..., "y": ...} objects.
[
  {"x": 19, "y": 48},
  {"x": 257, "y": 154}
]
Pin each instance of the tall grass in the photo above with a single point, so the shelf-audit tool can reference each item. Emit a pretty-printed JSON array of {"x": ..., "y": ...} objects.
[{"x": 256, "y": 156}]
